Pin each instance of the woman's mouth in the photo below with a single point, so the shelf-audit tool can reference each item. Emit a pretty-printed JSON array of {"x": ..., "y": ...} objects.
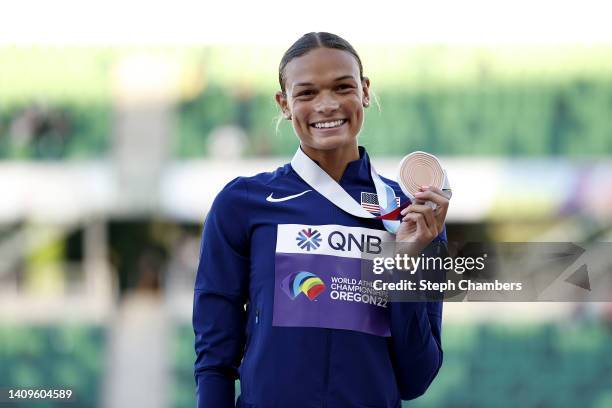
[{"x": 332, "y": 124}]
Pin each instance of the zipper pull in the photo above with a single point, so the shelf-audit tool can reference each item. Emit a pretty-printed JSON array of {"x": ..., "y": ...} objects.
[{"x": 256, "y": 316}]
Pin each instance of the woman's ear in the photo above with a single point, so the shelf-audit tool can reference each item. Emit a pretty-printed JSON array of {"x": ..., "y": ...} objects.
[
  {"x": 365, "y": 84},
  {"x": 281, "y": 101}
]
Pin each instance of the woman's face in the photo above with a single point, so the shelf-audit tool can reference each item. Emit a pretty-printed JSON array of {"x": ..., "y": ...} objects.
[{"x": 325, "y": 98}]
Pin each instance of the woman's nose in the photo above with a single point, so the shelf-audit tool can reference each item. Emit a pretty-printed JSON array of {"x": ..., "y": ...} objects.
[{"x": 326, "y": 103}]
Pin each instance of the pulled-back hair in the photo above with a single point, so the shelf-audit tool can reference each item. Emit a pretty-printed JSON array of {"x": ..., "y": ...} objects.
[{"x": 309, "y": 42}]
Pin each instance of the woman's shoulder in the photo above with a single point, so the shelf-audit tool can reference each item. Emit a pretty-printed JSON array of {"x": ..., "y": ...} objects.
[{"x": 240, "y": 187}]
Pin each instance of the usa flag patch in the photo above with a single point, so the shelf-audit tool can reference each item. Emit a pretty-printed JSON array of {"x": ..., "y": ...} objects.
[{"x": 369, "y": 201}]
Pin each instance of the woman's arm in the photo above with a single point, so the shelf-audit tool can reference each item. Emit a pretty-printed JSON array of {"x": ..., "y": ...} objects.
[
  {"x": 221, "y": 289},
  {"x": 416, "y": 343}
]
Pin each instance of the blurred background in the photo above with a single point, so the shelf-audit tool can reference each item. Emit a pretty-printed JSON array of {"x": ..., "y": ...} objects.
[{"x": 116, "y": 133}]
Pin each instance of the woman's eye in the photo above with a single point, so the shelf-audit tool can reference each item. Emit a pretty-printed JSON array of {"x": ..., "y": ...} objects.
[{"x": 344, "y": 87}]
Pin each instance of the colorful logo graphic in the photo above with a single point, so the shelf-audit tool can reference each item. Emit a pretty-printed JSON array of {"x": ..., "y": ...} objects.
[
  {"x": 308, "y": 239},
  {"x": 303, "y": 282}
]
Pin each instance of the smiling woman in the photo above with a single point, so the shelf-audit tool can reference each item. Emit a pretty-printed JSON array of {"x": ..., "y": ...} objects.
[
  {"x": 323, "y": 92},
  {"x": 271, "y": 241}
]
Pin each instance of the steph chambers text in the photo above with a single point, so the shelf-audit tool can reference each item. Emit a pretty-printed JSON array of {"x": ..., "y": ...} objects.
[{"x": 463, "y": 284}]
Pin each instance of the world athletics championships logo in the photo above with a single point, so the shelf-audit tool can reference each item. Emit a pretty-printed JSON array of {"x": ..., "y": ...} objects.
[
  {"x": 308, "y": 239},
  {"x": 303, "y": 282}
]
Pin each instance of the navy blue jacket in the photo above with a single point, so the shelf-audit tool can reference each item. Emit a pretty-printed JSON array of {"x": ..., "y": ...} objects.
[{"x": 282, "y": 365}]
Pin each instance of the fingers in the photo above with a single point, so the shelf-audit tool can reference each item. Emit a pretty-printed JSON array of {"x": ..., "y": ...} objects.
[
  {"x": 444, "y": 193},
  {"x": 438, "y": 197},
  {"x": 427, "y": 213},
  {"x": 433, "y": 194},
  {"x": 424, "y": 232},
  {"x": 423, "y": 227}
]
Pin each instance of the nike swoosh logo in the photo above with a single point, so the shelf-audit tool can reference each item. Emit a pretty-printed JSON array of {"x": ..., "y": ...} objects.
[{"x": 278, "y": 200}]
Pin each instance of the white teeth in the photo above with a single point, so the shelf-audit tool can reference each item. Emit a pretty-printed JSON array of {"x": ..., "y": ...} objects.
[{"x": 335, "y": 123}]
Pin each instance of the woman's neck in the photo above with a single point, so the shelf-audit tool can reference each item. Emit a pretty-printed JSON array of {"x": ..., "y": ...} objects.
[{"x": 334, "y": 161}]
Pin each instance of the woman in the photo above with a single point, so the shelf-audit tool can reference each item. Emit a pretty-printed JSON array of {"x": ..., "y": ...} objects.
[{"x": 285, "y": 249}]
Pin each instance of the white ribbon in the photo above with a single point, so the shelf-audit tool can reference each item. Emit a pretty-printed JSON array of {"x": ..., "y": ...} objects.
[{"x": 322, "y": 182}]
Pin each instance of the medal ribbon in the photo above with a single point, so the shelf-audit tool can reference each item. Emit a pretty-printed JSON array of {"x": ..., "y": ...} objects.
[{"x": 320, "y": 181}]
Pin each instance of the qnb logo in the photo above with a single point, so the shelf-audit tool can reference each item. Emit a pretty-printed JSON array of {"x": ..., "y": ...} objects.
[
  {"x": 308, "y": 239},
  {"x": 303, "y": 282},
  {"x": 340, "y": 241}
]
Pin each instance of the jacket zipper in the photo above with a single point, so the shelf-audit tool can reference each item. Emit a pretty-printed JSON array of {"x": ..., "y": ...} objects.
[{"x": 327, "y": 367}]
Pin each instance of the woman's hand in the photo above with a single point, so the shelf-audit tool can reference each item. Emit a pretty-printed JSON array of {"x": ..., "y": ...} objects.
[{"x": 420, "y": 223}]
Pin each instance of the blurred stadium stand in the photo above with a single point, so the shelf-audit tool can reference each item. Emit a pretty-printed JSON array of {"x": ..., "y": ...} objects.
[
  {"x": 54, "y": 356},
  {"x": 512, "y": 101}
]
